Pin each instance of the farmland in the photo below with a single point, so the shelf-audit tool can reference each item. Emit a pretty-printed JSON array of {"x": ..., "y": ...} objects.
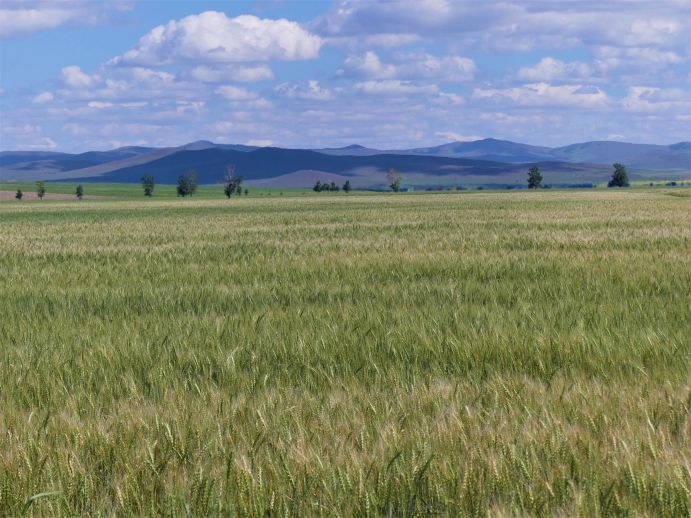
[{"x": 522, "y": 353}]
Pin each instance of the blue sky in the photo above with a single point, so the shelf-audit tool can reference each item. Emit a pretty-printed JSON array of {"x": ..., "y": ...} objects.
[{"x": 78, "y": 75}]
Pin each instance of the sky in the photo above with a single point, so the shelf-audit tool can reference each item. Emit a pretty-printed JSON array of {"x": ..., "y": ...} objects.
[{"x": 79, "y": 75}]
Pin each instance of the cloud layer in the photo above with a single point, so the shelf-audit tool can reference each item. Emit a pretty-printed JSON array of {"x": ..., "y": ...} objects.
[{"x": 388, "y": 74}]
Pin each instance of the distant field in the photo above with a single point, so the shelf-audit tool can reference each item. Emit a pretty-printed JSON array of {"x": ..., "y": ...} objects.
[
  {"x": 133, "y": 190},
  {"x": 501, "y": 354}
]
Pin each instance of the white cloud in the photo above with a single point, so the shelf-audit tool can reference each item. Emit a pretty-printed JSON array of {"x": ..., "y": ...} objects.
[
  {"x": 42, "y": 143},
  {"x": 653, "y": 100},
  {"x": 26, "y": 16},
  {"x": 511, "y": 25},
  {"x": 551, "y": 69},
  {"x": 212, "y": 37},
  {"x": 410, "y": 66},
  {"x": 259, "y": 142},
  {"x": 248, "y": 74},
  {"x": 16, "y": 20},
  {"x": 235, "y": 93},
  {"x": 74, "y": 76},
  {"x": 544, "y": 94},
  {"x": 44, "y": 97},
  {"x": 100, "y": 105},
  {"x": 457, "y": 137},
  {"x": 395, "y": 86},
  {"x": 310, "y": 90}
]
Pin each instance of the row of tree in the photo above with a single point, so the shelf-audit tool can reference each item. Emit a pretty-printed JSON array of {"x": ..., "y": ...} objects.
[
  {"x": 187, "y": 183},
  {"x": 620, "y": 177},
  {"x": 41, "y": 191},
  {"x": 332, "y": 187}
]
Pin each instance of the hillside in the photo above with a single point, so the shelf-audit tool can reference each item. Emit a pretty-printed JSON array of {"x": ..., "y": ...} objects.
[{"x": 482, "y": 162}]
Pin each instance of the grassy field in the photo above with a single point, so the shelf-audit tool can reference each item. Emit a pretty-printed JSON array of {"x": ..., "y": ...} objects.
[
  {"x": 135, "y": 190},
  {"x": 500, "y": 354}
]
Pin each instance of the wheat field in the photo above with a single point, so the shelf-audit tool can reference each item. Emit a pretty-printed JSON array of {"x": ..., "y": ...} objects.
[{"x": 475, "y": 354}]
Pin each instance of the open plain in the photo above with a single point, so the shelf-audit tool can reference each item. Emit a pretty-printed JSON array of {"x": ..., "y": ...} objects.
[{"x": 524, "y": 353}]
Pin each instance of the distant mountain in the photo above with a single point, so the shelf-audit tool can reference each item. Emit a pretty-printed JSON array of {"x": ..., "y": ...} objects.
[
  {"x": 482, "y": 162},
  {"x": 266, "y": 163},
  {"x": 636, "y": 156},
  {"x": 640, "y": 156},
  {"x": 48, "y": 164},
  {"x": 8, "y": 158},
  {"x": 352, "y": 150}
]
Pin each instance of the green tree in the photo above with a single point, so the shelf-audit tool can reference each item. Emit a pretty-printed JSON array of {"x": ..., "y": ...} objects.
[
  {"x": 246, "y": 192},
  {"x": 394, "y": 179},
  {"x": 347, "y": 187},
  {"x": 317, "y": 187},
  {"x": 40, "y": 190},
  {"x": 187, "y": 184},
  {"x": 148, "y": 185},
  {"x": 19, "y": 194},
  {"x": 232, "y": 184},
  {"x": 80, "y": 191},
  {"x": 620, "y": 177},
  {"x": 534, "y": 177}
]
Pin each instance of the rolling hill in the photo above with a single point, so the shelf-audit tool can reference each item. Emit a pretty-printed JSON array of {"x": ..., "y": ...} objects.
[{"x": 482, "y": 162}]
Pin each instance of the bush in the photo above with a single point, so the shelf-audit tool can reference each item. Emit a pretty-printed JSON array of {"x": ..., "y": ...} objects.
[
  {"x": 40, "y": 190},
  {"x": 620, "y": 178},
  {"x": 187, "y": 184}
]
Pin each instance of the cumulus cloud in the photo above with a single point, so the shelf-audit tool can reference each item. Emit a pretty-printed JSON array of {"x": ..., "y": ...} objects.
[
  {"x": 26, "y": 16},
  {"x": 214, "y": 74},
  {"x": 457, "y": 137},
  {"x": 551, "y": 69},
  {"x": 75, "y": 77},
  {"x": 212, "y": 37},
  {"x": 654, "y": 100},
  {"x": 100, "y": 105},
  {"x": 235, "y": 93},
  {"x": 545, "y": 94},
  {"x": 44, "y": 97},
  {"x": 410, "y": 66},
  {"x": 395, "y": 86},
  {"x": 310, "y": 90},
  {"x": 512, "y": 25}
]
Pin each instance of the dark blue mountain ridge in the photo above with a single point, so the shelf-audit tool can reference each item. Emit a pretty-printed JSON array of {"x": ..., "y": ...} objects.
[
  {"x": 211, "y": 165},
  {"x": 482, "y": 158}
]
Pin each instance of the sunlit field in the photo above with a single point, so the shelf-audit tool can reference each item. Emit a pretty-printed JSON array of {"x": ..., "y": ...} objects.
[{"x": 473, "y": 354}]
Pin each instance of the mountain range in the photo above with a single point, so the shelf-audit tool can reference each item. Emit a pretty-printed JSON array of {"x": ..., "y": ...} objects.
[{"x": 489, "y": 162}]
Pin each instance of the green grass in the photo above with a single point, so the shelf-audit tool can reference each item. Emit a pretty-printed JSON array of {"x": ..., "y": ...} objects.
[
  {"x": 493, "y": 354},
  {"x": 134, "y": 190}
]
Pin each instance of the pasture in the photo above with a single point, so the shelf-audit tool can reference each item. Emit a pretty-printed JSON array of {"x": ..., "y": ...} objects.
[{"x": 474, "y": 354}]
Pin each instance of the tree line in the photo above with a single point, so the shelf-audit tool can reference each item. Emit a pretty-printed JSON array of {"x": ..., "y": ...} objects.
[
  {"x": 620, "y": 177},
  {"x": 232, "y": 184},
  {"x": 331, "y": 187}
]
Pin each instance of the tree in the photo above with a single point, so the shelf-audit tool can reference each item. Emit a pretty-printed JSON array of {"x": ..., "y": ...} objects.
[
  {"x": 148, "y": 185},
  {"x": 80, "y": 191},
  {"x": 232, "y": 183},
  {"x": 317, "y": 187},
  {"x": 394, "y": 179},
  {"x": 187, "y": 184},
  {"x": 534, "y": 177},
  {"x": 246, "y": 192},
  {"x": 346, "y": 187},
  {"x": 40, "y": 189},
  {"x": 620, "y": 178},
  {"x": 333, "y": 187},
  {"x": 19, "y": 194}
]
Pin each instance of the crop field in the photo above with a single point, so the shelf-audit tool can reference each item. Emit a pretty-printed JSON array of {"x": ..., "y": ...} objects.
[{"x": 474, "y": 354}]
